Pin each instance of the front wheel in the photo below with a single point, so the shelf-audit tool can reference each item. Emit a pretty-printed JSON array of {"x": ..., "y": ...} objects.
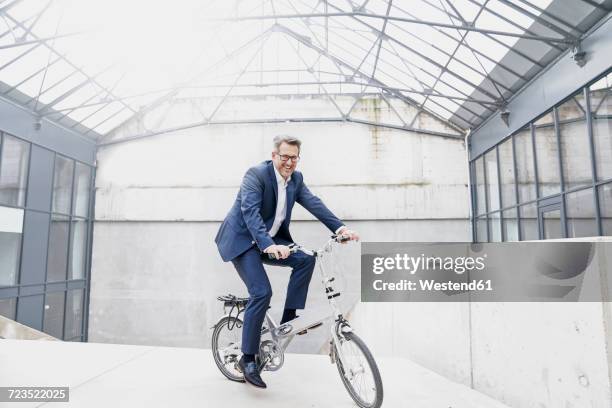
[{"x": 358, "y": 371}]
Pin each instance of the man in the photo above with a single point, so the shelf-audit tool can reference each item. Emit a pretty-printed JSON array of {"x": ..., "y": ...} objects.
[{"x": 258, "y": 225}]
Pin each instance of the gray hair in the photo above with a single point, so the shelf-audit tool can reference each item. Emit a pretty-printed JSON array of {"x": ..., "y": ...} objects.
[{"x": 290, "y": 140}]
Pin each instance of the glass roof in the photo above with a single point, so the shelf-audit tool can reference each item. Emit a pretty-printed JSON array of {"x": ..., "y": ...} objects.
[{"x": 92, "y": 65}]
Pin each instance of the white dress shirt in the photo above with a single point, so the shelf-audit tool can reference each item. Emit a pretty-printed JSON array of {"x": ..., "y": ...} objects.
[{"x": 281, "y": 202}]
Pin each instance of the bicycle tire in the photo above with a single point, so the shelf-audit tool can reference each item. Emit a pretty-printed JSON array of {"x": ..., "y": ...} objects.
[
  {"x": 376, "y": 378},
  {"x": 222, "y": 365}
]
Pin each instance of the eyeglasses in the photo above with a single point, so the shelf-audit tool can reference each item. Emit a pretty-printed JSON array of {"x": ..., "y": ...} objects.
[{"x": 285, "y": 157}]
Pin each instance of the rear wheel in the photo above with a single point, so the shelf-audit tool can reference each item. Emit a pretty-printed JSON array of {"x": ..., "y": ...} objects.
[
  {"x": 359, "y": 372},
  {"x": 226, "y": 340}
]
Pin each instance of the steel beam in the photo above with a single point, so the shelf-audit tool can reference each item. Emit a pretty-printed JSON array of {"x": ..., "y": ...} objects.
[
  {"x": 399, "y": 19},
  {"x": 540, "y": 20},
  {"x": 273, "y": 121}
]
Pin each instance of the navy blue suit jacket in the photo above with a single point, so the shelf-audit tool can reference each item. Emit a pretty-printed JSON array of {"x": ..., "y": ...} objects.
[{"x": 252, "y": 214}]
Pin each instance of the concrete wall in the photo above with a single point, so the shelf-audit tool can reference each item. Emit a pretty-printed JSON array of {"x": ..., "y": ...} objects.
[{"x": 159, "y": 201}]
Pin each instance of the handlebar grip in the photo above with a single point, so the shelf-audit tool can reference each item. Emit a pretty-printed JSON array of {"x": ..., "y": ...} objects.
[
  {"x": 292, "y": 250},
  {"x": 342, "y": 238}
]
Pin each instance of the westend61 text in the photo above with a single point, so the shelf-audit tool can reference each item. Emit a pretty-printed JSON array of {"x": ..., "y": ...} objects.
[{"x": 431, "y": 285}]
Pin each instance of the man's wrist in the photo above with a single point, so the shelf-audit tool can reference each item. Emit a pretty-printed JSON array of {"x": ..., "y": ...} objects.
[{"x": 340, "y": 229}]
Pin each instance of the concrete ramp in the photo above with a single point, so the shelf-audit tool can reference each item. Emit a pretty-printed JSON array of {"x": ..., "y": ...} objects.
[{"x": 109, "y": 375}]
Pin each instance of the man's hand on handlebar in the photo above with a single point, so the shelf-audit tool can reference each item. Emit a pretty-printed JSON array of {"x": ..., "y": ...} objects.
[
  {"x": 278, "y": 251},
  {"x": 350, "y": 234}
]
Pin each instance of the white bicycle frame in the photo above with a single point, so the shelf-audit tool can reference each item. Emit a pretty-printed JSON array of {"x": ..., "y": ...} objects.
[{"x": 282, "y": 335}]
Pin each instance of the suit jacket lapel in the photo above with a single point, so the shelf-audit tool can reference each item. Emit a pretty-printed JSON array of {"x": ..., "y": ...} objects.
[
  {"x": 290, "y": 197},
  {"x": 273, "y": 180}
]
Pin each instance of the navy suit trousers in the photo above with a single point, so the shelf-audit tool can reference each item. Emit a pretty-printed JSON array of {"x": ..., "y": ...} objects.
[{"x": 250, "y": 268}]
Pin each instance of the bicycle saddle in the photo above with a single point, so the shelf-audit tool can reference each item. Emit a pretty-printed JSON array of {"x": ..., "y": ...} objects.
[{"x": 231, "y": 300}]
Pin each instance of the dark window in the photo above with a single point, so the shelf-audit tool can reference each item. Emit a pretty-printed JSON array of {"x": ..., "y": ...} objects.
[
  {"x": 54, "y": 314},
  {"x": 580, "y": 212},
  {"x": 74, "y": 313},
  {"x": 62, "y": 185},
  {"x": 81, "y": 189},
  {"x": 57, "y": 260},
  {"x": 601, "y": 111},
  {"x": 481, "y": 230},
  {"x": 575, "y": 146},
  {"x": 11, "y": 227},
  {"x": 552, "y": 228},
  {"x": 605, "y": 208},
  {"x": 547, "y": 156},
  {"x": 495, "y": 227},
  {"x": 481, "y": 206},
  {"x": 492, "y": 180},
  {"x": 529, "y": 222},
  {"x": 510, "y": 225},
  {"x": 78, "y": 249},
  {"x": 7, "y": 308},
  {"x": 524, "y": 166},
  {"x": 13, "y": 171},
  {"x": 506, "y": 173}
]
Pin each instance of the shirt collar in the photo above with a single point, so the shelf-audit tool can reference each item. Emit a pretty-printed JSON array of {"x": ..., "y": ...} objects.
[{"x": 279, "y": 178}]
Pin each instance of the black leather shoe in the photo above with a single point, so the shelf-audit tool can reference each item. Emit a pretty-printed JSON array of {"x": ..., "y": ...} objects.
[{"x": 251, "y": 373}]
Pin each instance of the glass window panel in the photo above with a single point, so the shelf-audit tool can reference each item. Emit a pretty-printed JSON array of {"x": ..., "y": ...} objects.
[
  {"x": 481, "y": 230},
  {"x": 580, "y": 213},
  {"x": 525, "y": 171},
  {"x": 492, "y": 180},
  {"x": 547, "y": 156},
  {"x": 82, "y": 187},
  {"x": 552, "y": 224},
  {"x": 495, "y": 227},
  {"x": 74, "y": 313},
  {"x": 601, "y": 111},
  {"x": 78, "y": 245},
  {"x": 510, "y": 225},
  {"x": 53, "y": 323},
  {"x": 603, "y": 83},
  {"x": 62, "y": 184},
  {"x": 57, "y": 259},
  {"x": 11, "y": 227},
  {"x": 529, "y": 222},
  {"x": 602, "y": 142},
  {"x": 8, "y": 308},
  {"x": 575, "y": 149},
  {"x": 13, "y": 171},
  {"x": 480, "y": 186},
  {"x": 605, "y": 208},
  {"x": 506, "y": 173}
]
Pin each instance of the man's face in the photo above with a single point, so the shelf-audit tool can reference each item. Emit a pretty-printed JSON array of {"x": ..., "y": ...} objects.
[{"x": 285, "y": 160}]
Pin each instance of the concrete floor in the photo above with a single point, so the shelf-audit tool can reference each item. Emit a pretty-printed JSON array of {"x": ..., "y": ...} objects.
[{"x": 108, "y": 375}]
